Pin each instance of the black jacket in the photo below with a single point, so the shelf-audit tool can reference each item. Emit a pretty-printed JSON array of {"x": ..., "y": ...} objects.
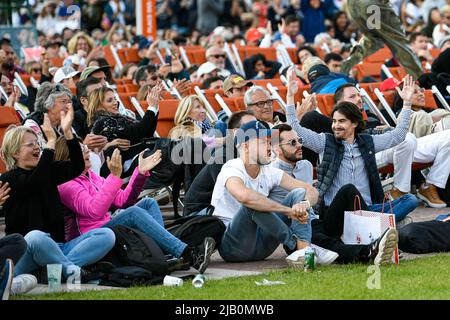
[
  {"x": 332, "y": 158},
  {"x": 34, "y": 202}
]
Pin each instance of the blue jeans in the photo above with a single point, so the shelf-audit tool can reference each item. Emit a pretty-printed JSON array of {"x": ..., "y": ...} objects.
[
  {"x": 145, "y": 216},
  {"x": 401, "y": 206},
  {"x": 81, "y": 251},
  {"x": 254, "y": 235}
]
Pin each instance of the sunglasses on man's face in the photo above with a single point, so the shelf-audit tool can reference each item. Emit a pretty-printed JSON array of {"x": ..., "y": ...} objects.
[
  {"x": 37, "y": 70},
  {"x": 217, "y": 56},
  {"x": 293, "y": 142}
]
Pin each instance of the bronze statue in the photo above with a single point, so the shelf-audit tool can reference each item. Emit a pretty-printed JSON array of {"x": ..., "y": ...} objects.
[{"x": 380, "y": 25}]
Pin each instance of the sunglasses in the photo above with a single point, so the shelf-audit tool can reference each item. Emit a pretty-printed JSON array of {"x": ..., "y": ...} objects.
[
  {"x": 37, "y": 69},
  {"x": 293, "y": 142},
  {"x": 156, "y": 77},
  {"x": 261, "y": 104},
  {"x": 217, "y": 56}
]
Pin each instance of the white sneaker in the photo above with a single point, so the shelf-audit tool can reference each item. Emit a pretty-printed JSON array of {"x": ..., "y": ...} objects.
[
  {"x": 297, "y": 259},
  {"x": 23, "y": 283},
  {"x": 324, "y": 256}
]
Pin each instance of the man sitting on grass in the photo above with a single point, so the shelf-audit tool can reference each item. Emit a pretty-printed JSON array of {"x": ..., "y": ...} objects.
[{"x": 254, "y": 227}]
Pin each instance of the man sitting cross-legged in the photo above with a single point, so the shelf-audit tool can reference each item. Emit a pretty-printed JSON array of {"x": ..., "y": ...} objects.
[
  {"x": 327, "y": 232},
  {"x": 254, "y": 227}
]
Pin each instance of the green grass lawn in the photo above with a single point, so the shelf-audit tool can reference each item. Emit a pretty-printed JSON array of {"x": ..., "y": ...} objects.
[{"x": 424, "y": 278}]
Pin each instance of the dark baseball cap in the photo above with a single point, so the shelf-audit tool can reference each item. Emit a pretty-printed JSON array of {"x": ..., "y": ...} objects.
[
  {"x": 252, "y": 130},
  {"x": 317, "y": 71}
]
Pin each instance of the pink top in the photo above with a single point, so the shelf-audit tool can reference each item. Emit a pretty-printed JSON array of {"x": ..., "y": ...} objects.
[{"x": 90, "y": 197}]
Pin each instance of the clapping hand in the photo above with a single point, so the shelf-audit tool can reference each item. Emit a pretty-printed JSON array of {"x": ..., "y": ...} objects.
[
  {"x": 66, "y": 121},
  {"x": 115, "y": 163},
  {"x": 48, "y": 129},
  {"x": 4, "y": 192},
  {"x": 308, "y": 104},
  {"x": 147, "y": 164},
  {"x": 154, "y": 95}
]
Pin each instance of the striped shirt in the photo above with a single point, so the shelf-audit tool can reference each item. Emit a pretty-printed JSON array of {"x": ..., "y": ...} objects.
[{"x": 352, "y": 169}]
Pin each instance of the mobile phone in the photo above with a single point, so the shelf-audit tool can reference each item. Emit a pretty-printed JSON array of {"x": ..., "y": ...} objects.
[{"x": 168, "y": 59}]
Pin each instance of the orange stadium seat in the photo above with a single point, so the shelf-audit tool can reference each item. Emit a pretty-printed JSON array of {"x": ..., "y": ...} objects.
[
  {"x": 293, "y": 55},
  {"x": 56, "y": 62},
  {"x": 26, "y": 79},
  {"x": 128, "y": 55},
  {"x": 8, "y": 116},
  {"x": 167, "y": 110},
  {"x": 430, "y": 101},
  {"x": 398, "y": 72},
  {"x": 368, "y": 69},
  {"x": 381, "y": 56},
  {"x": 125, "y": 98},
  {"x": 269, "y": 53}
]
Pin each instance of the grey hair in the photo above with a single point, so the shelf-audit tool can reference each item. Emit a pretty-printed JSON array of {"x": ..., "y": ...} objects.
[
  {"x": 320, "y": 37},
  {"x": 61, "y": 90},
  {"x": 250, "y": 92},
  {"x": 42, "y": 95}
]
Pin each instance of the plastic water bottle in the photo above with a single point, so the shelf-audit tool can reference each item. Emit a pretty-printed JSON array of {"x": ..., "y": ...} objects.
[{"x": 199, "y": 281}]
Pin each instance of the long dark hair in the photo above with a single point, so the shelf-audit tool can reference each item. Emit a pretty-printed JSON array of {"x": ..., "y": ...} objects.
[{"x": 351, "y": 112}]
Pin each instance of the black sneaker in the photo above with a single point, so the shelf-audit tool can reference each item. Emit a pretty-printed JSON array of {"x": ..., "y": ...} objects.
[
  {"x": 382, "y": 249},
  {"x": 201, "y": 254}
]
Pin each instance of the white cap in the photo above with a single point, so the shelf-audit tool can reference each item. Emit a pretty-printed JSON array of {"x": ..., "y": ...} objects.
[
  {"x": 64, "y": 73},
  {"x": 205, "y": 68},
  {"x": 76, "y": 60}
]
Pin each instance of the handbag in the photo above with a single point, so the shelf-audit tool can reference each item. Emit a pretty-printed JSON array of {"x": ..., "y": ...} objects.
[{"x": 363, "y": 227}]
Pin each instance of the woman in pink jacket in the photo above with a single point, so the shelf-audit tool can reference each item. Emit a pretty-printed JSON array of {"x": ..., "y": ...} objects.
[{"x": 90, "y": 197}]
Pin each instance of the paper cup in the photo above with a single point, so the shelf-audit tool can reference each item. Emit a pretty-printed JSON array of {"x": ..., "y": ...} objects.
[{"x": 170, "y": 281}]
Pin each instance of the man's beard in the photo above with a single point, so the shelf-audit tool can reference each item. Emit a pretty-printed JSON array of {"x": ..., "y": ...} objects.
[
  {"x": 8, "y": 65},
  {"x": 291, "y": 157}
]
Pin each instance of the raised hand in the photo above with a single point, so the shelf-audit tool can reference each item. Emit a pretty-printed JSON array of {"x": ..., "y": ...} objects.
[
  {"x": 292, "y": 85},
  {"x": 115, "y": 163},
  {"x": 48, "y": 129},
  {"x": 147, "y": 164},
  {"x": 308, "y": 104},
  {"x": 154, "y": 94},
  {"x": 282, "y": 27},
  {"x": 4, "y": 192},
  {"x": 269, "y": 27},
  {"x": 407, "y": 93},
  {"x": 13, "y": 97},
  {"x": 182, "y": 86},
  {"x": 66, "y": 121}
]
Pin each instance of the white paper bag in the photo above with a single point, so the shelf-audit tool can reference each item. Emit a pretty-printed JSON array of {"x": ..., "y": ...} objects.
[{"x": 363, "y": 227}]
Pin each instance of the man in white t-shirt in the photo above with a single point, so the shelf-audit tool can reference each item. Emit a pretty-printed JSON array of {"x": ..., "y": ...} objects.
[{"x": 254, "y": 227}]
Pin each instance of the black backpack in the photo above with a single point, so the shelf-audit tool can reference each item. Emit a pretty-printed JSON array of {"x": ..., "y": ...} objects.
[
  {"x": 134, "y": 248},
  {"x": 192, "y": 230},
  {"x": 130, "y": 276}
]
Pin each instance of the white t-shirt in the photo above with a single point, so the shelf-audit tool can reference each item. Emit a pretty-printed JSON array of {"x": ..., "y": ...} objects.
[{"x": 226, "y": 206}]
